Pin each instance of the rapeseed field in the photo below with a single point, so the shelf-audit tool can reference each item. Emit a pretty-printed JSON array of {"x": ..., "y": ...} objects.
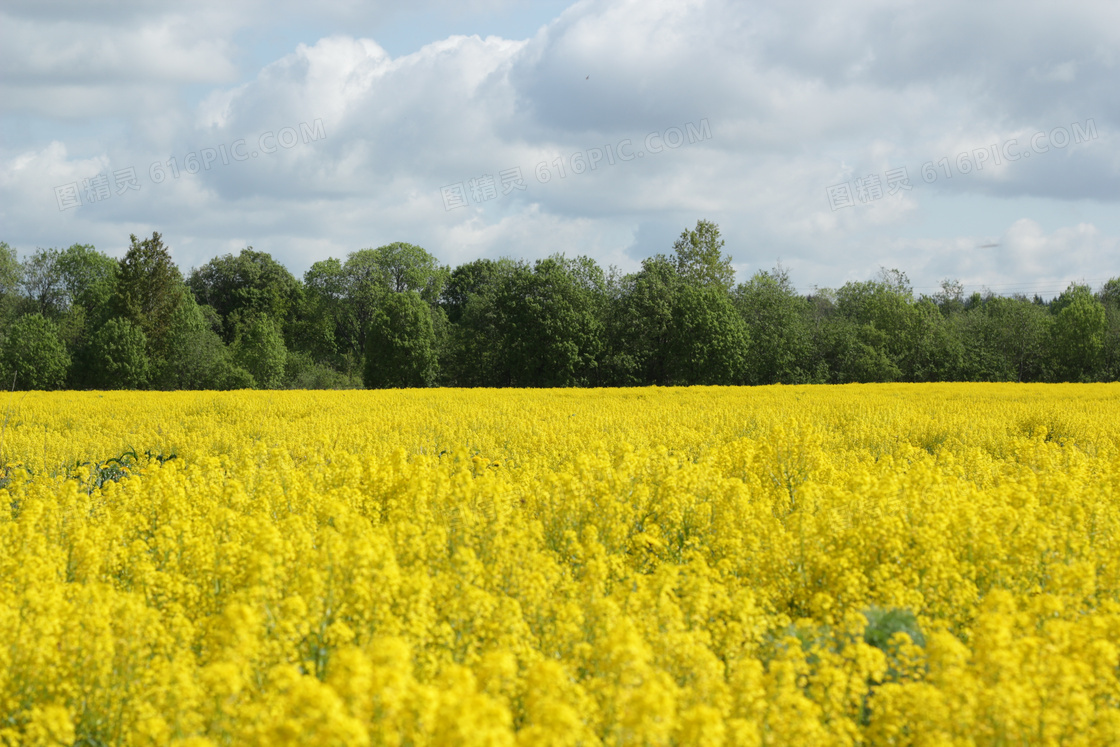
[{"x": 869, "y": 564}]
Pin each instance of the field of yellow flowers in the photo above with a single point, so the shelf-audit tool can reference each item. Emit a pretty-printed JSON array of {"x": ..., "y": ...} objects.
[{"x": 870, "y": 564}]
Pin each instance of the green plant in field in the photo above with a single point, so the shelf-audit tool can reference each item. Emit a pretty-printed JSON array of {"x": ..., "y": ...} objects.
[{"x": 884, "y": 623}]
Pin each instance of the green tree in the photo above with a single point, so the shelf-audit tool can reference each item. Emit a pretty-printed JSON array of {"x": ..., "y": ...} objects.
[
  {"x": 320, "y": 324},
  {"x": 11, "y": 278},
  {"x": 87, "y": 277},
  {"x": 708, "y": 340},
  {"x": 401, "y": 349},
  {"x": 475, "y": 351},
  {"x": 32, "y": 356},
  {"x": 197, "y": 358},
  {"x": 1026, "y": 326},
  {"x": 301, "y": 371},
  {"x": 1080, "y": 329},
  {"x": 118, "y": 356},
  {"x": 259, "y": 349},
  {"x": 640, "y": 323},
  {"x": 369, "y": 275},
  {"x": 466, "y": 281},
  {"x": 552, "y": 331},
  {"x": 149, "y": 290},
  {"x": 42, "y": 283},
  {"x": 779, "y": 327},
  {"x": 1110, "y": 356},
  {"x": 872, "y": 334},
  {"x": 408, "y": 267},
  {"x": 845, "y": 350},
  {"x": 698, "y": 255},
  {"x": 935, "y": 351},
  {"x": 249, "y": 284}
]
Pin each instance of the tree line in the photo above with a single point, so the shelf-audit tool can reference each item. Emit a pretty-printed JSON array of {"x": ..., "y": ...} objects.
[{"x": 395, "y": 317}]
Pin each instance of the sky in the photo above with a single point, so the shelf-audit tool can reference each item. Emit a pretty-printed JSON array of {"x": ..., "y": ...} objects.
[{"x": 948, "y": 140}]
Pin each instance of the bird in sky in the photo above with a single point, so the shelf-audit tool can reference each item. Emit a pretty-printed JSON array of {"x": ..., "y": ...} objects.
[
  {"x": 988, "y": 246},
  {"x": 588, "y": 77}
]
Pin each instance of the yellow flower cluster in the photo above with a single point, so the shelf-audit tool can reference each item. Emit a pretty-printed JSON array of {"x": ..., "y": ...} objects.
[{"x": 883, "y": 564}]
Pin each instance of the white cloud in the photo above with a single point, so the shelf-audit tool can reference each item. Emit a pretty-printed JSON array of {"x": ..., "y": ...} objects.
[{"x": 798, "y": 96}]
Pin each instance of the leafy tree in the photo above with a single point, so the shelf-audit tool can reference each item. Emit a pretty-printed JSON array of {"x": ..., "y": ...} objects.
[
  {"x": 846, "y": 350},
  {"x": 476, "y": 354},
  {"x": 32, "y": 356},
  {"x": 259, "y": 349},
  {"x": 778, "y": 322},
  {"x": 370, "y": 274},
  {"x": 11, "y": 278},
  {"x": 301, "y": 371},
  {"x": 1027, "y": 336},
  {"x": 42, "y": 282},
  {"x": 936, "y": 351},
  {"x": 149, "y": 291},
  {"x": 699, "y": 259},
  {"x": 364, "y": 286},
  {"x": 465, "y": 281},
  {"x": 118, "y": 356},
  {"x": 320, "y": 320},
  {"x": 1110, "y": 356},
  {"x": 950, "y": 299},
  {"x": 878, "y": 343},
  {"x": 249, "y": 284},
  {"x": 1080, "y": 328},
  {"x": 1010, "y": 343},
  {"x": 87, "y": 277},
  {"x": 640, "y": 324},
  {"x": 1109, "y": 295},
  {"x": 407, "y": 267},
  {"x": 400, "y": 351},
  {"x": 197, "y": 358},
  {"x": 552, "y": 333},
  {"x": 708, "y": 340}
]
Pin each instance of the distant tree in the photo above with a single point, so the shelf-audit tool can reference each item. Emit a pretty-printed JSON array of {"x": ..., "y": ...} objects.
[
  {"x": 259, "y": 349},
  {"x": 465, "y": 281},
  {"x": 1109, "y": 294},
  {"x": 245, "y": 285},
  {"x": 301, "y": 371},
  {"x": 698, "y": 257},
  {"x": 196, "y": 356},
  {"x": 778, "y": 323},
  {"x": 11, "y": 276},
  {"x": 552, "y": 333},
  {"x": 1027, "y": 336},
  {"x": 118, "y": 356},
  {"x": 32, "y": 356},
  {"x": 640, "y": 324},
  {"x": 149, "y": 290},
  {"x": 846, "y": 350},
  {"x": 878, "y": 343},
  {"x": 369, "y": 275},
  {"x": 87, "y": 277},
  {"x": 1080, "y": 329},
  {"x": 479, "y": 322},
  {"x": 935, "y": 351},
  {"x": 708, "y": 340},
  {"x": 408, "y": 267},
  {"x": 42, "y": 283},
  {"x": 400, "y": 351},
  {"x": 321, "y": 321}
]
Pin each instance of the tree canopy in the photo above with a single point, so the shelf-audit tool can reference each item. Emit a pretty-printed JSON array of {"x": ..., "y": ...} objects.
[{"x": 395, "y": 316}]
